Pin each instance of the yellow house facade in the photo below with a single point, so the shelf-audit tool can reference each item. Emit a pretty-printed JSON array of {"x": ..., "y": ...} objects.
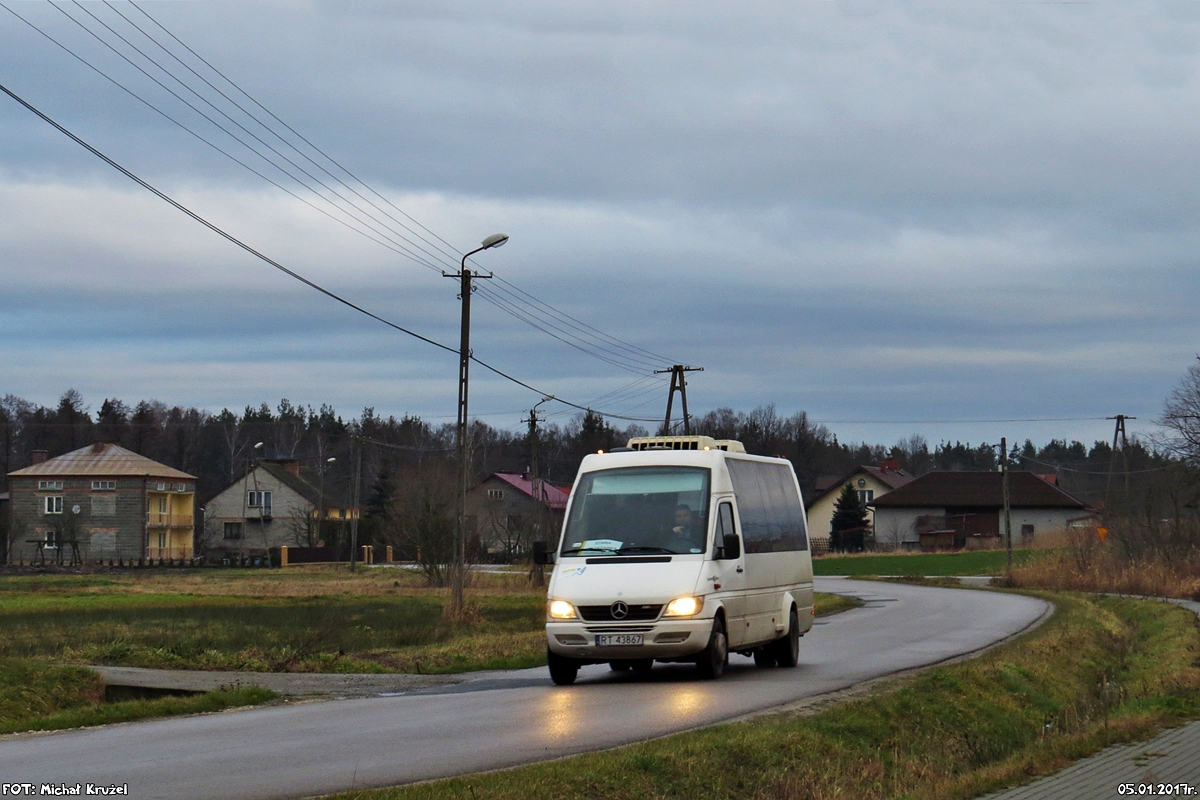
[{"x": 870, "y": 482}]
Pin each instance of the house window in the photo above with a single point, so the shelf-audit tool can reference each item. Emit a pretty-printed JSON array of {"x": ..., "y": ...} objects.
[
  {"x": 104, "y": 486},
  {"x": 51, "y": 486},
  {"x": 233, "y": 530},
  {"x": 1026, "y": 533},
  {"x": 162, "y": 505},
  {"x": 51, "y": 539},
  {"x": 258, "y": 500},
  {"x": 341, "y": 513},
  {"x": 53, "y": 504},
  {"x": 162, "y": 540},
  {"x": 495, "y": 494},
  {"x": 866, "y": 495},
  {"x": 161, "y": 487}
]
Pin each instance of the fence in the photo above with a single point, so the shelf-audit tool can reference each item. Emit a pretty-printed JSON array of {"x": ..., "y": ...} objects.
[{"x": 290, "y": 556}]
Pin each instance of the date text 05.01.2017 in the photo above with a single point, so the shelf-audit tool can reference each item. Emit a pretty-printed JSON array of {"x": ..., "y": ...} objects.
[{"x": 1156, "y": 790}]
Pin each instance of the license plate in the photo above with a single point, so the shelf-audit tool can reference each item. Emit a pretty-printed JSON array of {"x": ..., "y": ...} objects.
[{"x": 610, "y": 639}]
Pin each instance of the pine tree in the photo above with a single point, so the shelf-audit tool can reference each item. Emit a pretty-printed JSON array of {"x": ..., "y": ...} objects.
[{"x": 849, "y": 520}]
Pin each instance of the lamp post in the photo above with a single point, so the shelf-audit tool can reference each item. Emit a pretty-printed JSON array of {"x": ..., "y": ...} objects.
[
  {"x": 320, "y": 500},
  {"x": 458, "y": 566},
  {"x": 354, "y": 510}
]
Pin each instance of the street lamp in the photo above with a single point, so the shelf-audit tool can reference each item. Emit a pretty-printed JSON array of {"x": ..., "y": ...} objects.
[
  {"x": 458, "y": 568},
  {"x": 320, "y": 500}
]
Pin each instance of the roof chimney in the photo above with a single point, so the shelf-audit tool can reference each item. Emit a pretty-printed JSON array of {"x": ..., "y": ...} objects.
[
  {"x": 292, "y": 466},
  {"x": 39, "y": 456},
  {"x": 98, "y": 447}
]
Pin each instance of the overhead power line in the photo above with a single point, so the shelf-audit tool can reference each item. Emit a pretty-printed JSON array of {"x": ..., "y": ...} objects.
[
  {"x": 257, "y": 254},
  {"x": 352, "y": 208},
  {"x": 205, "y": 140},
  {"x": 948, "y": 421},
  {"x": 357, "y": 214},
  {"x": 451, "y": 252}
]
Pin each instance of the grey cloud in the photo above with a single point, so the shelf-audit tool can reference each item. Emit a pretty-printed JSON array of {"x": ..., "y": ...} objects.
[{"x": 854, "y": 209}]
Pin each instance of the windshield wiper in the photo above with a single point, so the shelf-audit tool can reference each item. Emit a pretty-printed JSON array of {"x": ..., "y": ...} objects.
[
  {"x": 577, "y": 550},
  {"x": 644, "y": 549}
]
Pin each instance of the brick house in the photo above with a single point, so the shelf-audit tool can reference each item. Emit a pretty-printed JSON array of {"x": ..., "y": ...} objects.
[
  {"x": 504, "y": 515},
  {"x": 100, "y": 502},
  {"x": 271, "y": 506}
]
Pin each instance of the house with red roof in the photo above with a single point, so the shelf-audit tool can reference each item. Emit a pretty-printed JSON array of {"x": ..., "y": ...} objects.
[{"x": 506, "y": 513}]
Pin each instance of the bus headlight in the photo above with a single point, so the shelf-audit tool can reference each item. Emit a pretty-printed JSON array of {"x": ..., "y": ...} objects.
[
  {"x": 561, "y": 609},
  {"x": 684, "y": 606}
]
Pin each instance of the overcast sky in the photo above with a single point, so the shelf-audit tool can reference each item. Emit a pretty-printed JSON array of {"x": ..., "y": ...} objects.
[{"x": 900, "y": 218}]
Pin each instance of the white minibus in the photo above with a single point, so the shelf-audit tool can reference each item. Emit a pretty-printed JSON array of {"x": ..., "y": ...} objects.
[{"x": 679, "y": 549}]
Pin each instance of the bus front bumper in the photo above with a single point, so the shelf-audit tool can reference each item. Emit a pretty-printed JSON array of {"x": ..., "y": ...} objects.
[{"x": 665, "y": 639}]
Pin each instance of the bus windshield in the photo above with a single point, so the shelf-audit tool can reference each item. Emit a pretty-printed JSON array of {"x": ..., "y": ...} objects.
[{"x": 639, "y": 510}]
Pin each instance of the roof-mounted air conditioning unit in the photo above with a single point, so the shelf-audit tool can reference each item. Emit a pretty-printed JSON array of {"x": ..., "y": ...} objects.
[{"x": 684, "y": 443}]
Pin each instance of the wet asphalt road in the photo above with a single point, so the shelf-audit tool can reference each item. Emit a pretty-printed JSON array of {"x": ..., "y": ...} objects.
[{"x": 501, "y": 719}]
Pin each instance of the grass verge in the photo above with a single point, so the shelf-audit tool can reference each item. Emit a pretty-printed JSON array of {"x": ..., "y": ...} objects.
[
  {"x": 977, "y": 562},
  {"x": 1093, "y": 566},
  {"x": 377, "y": 622},
  {"x": 1101, "y": 670},
  {"x": 43, "y": 697}
]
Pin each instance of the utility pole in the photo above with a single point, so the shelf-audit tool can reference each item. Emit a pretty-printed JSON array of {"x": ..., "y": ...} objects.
[
  {"x": 678, "y": 384},
  {"x": 354, "y": 511},
  {"x": 458, "y": 567},
  {"x": 536, "y": 575},
  {"x": 1118, "y": 435},
  {"x": 1007, "y": 503}
]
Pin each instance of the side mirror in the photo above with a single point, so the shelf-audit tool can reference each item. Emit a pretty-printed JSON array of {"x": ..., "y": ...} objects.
[
  {"x": 542, "y": 553},
  {"x": 731, "y": 548}
]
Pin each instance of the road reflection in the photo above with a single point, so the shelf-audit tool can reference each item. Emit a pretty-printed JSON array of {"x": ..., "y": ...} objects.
[
  {"x": 681, "y": 703},
  {"x": 561, "y": 708}
]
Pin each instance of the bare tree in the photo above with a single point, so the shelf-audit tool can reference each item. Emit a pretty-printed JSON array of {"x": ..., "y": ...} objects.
[
  {"x": 304, "y": 525},
  {"x": 1181, "y": 417},
  {"x": 421, "y": 518}
]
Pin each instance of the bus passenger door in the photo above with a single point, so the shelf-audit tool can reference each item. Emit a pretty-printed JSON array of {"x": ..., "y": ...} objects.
[{"x": 726, "y": 574}]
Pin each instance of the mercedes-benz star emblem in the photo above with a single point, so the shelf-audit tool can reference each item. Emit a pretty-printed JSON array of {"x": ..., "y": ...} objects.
[{"x": 619, "y": 610}]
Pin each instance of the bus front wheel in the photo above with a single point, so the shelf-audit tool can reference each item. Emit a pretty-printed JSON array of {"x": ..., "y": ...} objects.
[{"x": 563, "y": 671}]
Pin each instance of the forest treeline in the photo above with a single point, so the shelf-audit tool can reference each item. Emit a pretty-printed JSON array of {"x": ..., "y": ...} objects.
[{"x": 217, "y": 447}]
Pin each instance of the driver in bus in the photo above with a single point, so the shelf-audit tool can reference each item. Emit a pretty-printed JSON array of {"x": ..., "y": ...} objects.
[{"x": 687, "y": 528}]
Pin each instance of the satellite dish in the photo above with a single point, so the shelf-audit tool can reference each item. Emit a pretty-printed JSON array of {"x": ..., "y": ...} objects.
[{"x": 75, "y": 509}]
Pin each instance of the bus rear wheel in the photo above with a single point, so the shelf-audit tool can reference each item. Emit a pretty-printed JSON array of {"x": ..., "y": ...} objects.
[{"x": 786, "y": 650}]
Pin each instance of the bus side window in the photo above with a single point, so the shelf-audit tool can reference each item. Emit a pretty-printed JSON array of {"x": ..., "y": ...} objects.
[{"x": 724, "y": 527}]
